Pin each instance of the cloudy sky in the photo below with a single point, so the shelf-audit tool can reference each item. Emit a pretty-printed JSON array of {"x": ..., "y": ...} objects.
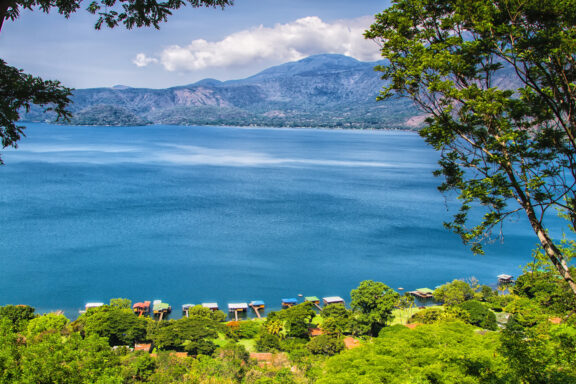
[{"x": 194, "y": 44}]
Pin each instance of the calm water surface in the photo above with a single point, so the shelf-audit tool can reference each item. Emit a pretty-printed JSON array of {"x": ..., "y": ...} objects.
[{"x": 193, "y": 214}]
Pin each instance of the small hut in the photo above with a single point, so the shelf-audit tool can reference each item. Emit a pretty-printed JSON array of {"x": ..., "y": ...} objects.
[
  {"x": 237, "y": 307},
  {"x": 333, "y": 300},
  {"x": 142, "y": 308},
  {"x": 212, "y": 306},
  {"x": 314, "y": 300},
  {"x": 290, "y": 302},
  {"x": 504, "y": 279},
  {"x": 186, "y": 308},
  {"x": 161, "y": 309},
  {"x": 91, "y": 305},
  {"x": 423, "y": 293}
]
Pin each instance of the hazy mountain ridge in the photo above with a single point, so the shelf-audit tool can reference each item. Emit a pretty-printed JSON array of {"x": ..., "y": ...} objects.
[{"x": 319, "y": 91}]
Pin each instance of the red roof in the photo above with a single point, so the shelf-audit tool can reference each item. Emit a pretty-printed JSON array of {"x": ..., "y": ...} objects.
[
  {"x": 316, "y": 332},
  {"x": 142, "y": 347},
  {"x": 351, "y": 342},
  {"x": 145, "y": 304}
]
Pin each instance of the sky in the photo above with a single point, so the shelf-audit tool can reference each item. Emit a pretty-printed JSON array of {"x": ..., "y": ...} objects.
[{"x": 194, "y": 44}]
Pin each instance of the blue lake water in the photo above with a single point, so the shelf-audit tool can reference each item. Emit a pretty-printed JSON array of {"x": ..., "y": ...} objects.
[{"x": 195, "y": 214}]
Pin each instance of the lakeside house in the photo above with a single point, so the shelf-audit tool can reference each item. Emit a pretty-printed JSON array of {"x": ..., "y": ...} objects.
[
  {"x": 287, "y": 303},
  {"x": 212, "y": 306},
  {"x": 333, "y": 300}
]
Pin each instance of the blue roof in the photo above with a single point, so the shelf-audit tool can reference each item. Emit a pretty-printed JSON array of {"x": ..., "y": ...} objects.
[
  {"x": 257, "y": 302},
  {"x": 290, "y": 301}
]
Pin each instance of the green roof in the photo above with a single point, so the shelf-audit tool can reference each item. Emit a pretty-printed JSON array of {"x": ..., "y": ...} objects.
[
  {"x": 425, "y": 290},
  {"x": 311, "y": 298},
  {"x": 161, "y": 306}
]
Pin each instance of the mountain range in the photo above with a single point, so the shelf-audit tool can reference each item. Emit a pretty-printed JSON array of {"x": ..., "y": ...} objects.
[{"x": 329, "y": 90}]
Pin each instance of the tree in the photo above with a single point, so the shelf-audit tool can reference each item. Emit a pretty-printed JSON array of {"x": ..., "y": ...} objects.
[
  {"x": 119, "y": 325},
  {"x": 194, "y": 335},
  {"x": 373, "y": 303},
  {"x": 454, "y": 293},
  {"x": 19, "y": 90},
  {"x": 497, "y": 80},
  {"x": 72, "y": 359},
  {"x": 50, "y": 322},
  {"x": 336, "y": 319},
  {"x": 121, "y": 303},
  {"x": 18, "y": 315},
  {"x": 325, "y": 345},
  {"x": 480, "y": 315},
  {"x": 437, "y": 353}
]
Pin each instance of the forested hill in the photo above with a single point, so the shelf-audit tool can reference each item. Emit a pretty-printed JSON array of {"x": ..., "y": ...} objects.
[{"x": 319, "y": 91}]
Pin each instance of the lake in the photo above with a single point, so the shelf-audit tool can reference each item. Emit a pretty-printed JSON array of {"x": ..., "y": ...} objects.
[{"x": 196, "y": 214}]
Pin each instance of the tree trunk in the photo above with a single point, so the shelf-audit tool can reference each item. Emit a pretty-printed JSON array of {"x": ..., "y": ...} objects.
[{"x": 553, "y": 253}]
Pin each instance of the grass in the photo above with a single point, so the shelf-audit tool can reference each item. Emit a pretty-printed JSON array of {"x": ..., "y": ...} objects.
[
  {"x": 249, "y": 344},
  {"x": 401, "y": 316}
]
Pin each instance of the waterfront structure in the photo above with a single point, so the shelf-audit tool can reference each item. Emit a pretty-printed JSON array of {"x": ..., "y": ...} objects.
[
  {"x": 332, "y": 300},
  {"x": 142, "y": 308},
  {"x": 161, "y": 309},
  {"x": 504, "y": 279},
  {"x": 287, "y": 303},
  {"x": 423, "y": 293},
  {"x": 256, "y": 306},
  {"x": 212, "y": 306},
  {"x": 186, "y": 308}
]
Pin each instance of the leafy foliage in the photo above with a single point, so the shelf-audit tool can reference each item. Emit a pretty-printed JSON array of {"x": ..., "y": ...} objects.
[
  {"x": 119, "y": 325},
  {"x": 111, "y": 13},
  {"x": 372, "y": 303},
  {"x": 49, "y": 322},
  {"x": 437, "y": 353},
  {"x": 505, "y": 147},
  {"x": 194, "y": 335},
  {"x": 325, "y": 345},
  {"x": 18, "y": 91},
  {"x": 480, "y": 315},
  {"x": 454, "y": 293},
  {"x": 540, "y": 352},
  {"x": 17, "y": 316}
]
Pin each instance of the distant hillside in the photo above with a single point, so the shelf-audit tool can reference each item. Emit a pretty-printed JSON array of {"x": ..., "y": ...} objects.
[{"x": 320, "y": 91}]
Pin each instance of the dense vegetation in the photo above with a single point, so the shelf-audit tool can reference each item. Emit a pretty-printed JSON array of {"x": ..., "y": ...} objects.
[{"x": 525, "y": 333}]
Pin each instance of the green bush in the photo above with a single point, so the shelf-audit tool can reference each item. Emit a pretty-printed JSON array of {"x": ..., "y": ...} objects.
[
  {"x": 480, "y": 315},
  {"x": 325, "y": 345},
  {"x": 267, "y": 342}
]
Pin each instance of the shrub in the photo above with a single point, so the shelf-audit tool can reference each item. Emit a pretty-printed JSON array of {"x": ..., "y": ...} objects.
[
  {"x": 479, "y": 315},
  {"x": 325, "y": 345}
]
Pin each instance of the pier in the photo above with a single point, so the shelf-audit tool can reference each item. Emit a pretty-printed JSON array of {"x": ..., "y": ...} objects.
[
  {"x": 237, "y": 307},
  {"x": 186, "y": 309},
  {"x": 256, "y": 306}
]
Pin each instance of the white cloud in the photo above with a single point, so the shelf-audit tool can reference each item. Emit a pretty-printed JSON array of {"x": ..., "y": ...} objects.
[
  {"x": 141, "y": 60},
  {"x": 271, "y": 45}
]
